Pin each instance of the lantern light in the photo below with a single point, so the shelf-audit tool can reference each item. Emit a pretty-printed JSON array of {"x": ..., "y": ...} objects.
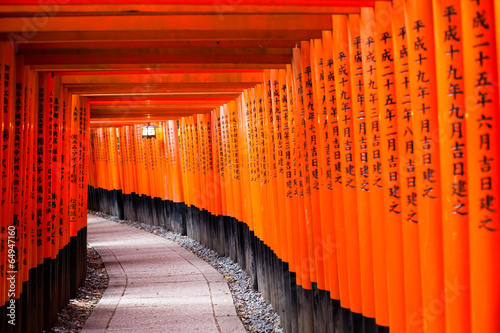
[{"x": 148, "y": 131}]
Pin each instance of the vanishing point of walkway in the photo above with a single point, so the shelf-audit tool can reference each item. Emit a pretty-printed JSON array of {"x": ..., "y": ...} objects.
[{"x": 155, "y": 285}]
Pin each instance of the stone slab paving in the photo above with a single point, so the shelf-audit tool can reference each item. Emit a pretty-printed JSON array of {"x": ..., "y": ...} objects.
[{"x": 155, "y": 285}]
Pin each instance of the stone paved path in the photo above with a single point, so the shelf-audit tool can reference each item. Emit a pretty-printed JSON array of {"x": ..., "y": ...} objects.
[{"x": 155, "y": 285}]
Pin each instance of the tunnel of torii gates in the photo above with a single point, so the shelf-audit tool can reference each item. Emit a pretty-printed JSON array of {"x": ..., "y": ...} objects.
[{"x": 344, "y": 153}]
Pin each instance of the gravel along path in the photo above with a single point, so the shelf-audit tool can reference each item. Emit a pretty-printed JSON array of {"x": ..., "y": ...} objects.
[
  {"x": 73, "y": 316},
  {"x": 255, "y": 313}
]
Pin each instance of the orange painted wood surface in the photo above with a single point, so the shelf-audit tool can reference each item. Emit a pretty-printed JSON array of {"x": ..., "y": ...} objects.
[{"x": 361, "y": 148}]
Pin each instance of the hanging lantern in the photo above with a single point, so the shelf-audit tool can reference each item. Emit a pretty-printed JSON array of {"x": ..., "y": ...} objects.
[{"x": 149, "y": 131}]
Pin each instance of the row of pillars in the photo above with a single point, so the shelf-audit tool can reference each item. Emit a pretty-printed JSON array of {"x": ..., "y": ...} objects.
[
  {"x": 369, "y": 165},
  {"x": 43, "y": 198}
]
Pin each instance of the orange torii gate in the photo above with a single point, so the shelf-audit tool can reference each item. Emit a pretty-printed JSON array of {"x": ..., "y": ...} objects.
[{"x": 348, "y": 162}]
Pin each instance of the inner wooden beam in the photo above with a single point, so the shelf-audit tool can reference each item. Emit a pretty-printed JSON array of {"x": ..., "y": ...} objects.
[
  {"x": 143, "y": 108},
  {"x": 157, "y": 35},
  {"x": 125, "y": 115},
  {"x": 154, "y": 101},
  {"x": 133, "y": 50},
  {"x": 158, "y": 59},
  {"x": 332, "y": 7},
  {"x": 170, "y": 78},
  {"x": 173, "y": 23},
  {"x": 124, "y": 122},
  {"x": 159, "y": 67},
  {"x": 131, "y": 88},
  {"x": 83, "y": 45},
  {"x": 169, "y": 96}
]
